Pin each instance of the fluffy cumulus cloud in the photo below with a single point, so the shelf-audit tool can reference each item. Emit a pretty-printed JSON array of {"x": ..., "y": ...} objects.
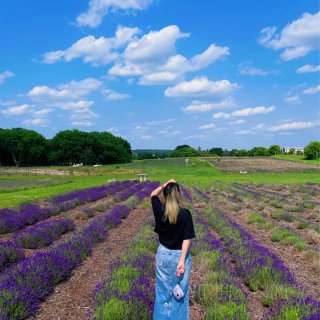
[
  {"x": 292, "y": 100},
  {"x": 97, "y": 51},
  {"x": 201, "y": 106},
  {"x": 297, "y": 39},
  {"x": 292, "y": 126},
  {"x": 111, "y": 95},
  {"x": 6, "y": 75},
  {"x": 244, "y": 112},
  {"x": 200, "y": 87},
  {"x": 253, "y": 111},
  {"x": 84, "y": 123},
  {"x": 36, "y": 122},
  {"x": 207, "y": 126},
  {"x": 69, "y": 91},
  {"x": 99, "y": 8},
  {"x": 156, "y": 46},
  {"x": 308, "y": 68},
  {"x": 154, "y": 60},
  {"x": 312, "y": 90},
  {"x": 16, "y": 110}
]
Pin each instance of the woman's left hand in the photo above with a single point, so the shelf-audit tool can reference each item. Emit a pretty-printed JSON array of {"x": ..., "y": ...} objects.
[{"x": 180, "y": 268}]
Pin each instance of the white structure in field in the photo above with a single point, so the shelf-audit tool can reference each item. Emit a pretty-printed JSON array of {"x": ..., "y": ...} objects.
[
  {"x": 142, "y": 177},
  {"x": 296, "y": 149}
]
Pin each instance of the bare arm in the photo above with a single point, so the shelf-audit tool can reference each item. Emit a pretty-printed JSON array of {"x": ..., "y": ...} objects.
[
  {"x": 185, "y": 247},
  {"x": 158, "y": 190}
]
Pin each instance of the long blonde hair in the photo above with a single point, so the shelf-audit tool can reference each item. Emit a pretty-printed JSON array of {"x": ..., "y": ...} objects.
[{"x": 172, "y": 202}]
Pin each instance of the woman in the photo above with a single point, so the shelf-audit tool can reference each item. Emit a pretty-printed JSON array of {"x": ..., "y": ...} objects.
[{"x": 173, "y": 262}]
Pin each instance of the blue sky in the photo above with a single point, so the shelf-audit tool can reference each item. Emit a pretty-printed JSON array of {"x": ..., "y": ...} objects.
[{"x": 161, "y": 73}]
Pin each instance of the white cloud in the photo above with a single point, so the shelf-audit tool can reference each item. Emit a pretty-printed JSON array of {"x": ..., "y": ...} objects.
[
  {"x": 160, "y": 122},
  {"x": 308, "y": 68},
  {"x": 99, "y": 8},
  {"x": 221, "y": 115},
  {"x": 244, "y": 112},
  {"x": 35, "y": 122},
  {"x": 153, "y": 58},
  {"x": 68, "y": 91},
  {"x": 200, "y": 106},
  {"x": 292, "y": 126},
  {"x": 84, "y": 123},
  {"x": 147, "y": 137},
  {"x": 42, "y": 112},
  {"x": 246, "y": 69},
  {"x": 6, "y": 75},
  {"x": 292, "y": 100},
  {"x": 112, "y": 95},
  {"x": 297, "y": 39},
  {"x": 207, "y": 126},
  {"x": 16, "y": 111},
  {"x": 97, "y": 51},
  {"x": 74, "y": 105},
  {"x": 200, "y": 87},
  {"x": 154, "y": 46},
  {"x": 83, "y": 114},
  {"x": 158, "y": 78},
  {"x": 209, "y": 56},
  {"x": 240, "y": 121},
  {"x": 169, "y": 133},
  {"x": 244, "y": 132},
  {"x": 253, "y": 111},
  {"x": 312, "y": 90}
]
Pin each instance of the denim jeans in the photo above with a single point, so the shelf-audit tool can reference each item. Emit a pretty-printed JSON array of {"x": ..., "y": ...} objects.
[{"x": 166, "y": 306}]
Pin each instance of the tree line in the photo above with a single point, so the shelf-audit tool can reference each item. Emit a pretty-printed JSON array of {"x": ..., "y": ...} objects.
[
  {"x": 311, "y": 151},
  {"x": 23, "y": 147}
]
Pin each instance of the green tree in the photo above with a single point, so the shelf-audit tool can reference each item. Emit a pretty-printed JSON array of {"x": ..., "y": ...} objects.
[
  {"x": 241, "y": 153},
  {"x": 275, "y": 149},
  {"x": 216, "y": 152},
  {"x": 26, "y": 147},
  {"x": 233, "y": 152},
  {"x": 259, "y": 151},
  {"x": 185, "y": 152},
  {"x": 312, "y": 150}
]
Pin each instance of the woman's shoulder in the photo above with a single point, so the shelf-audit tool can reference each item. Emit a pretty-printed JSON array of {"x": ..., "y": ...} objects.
[{"x": 185, "y": 211}]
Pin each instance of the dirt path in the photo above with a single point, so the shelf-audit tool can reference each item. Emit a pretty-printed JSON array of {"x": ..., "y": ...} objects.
[{"x": 73, "y": 299}]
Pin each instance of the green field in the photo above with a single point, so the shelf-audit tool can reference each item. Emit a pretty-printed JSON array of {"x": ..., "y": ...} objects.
[
  {"x": 297, "y": 158},
  {"x": 200, "y": 174}
]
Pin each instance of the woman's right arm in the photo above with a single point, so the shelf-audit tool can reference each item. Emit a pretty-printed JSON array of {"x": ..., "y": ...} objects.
[{"x": 158, "y": 190}]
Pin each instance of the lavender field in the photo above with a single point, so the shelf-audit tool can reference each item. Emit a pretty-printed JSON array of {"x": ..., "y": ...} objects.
[{"x": 90, "y": 254}]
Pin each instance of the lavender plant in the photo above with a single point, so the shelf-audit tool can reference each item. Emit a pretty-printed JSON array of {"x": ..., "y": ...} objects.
[{"x": 43, "y": 234}]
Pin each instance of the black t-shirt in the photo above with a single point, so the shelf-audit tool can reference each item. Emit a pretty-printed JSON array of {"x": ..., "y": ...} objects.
[{"x": 172, "y": 235}]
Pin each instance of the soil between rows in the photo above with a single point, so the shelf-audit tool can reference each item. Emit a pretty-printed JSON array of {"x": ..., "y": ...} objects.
[{"x": 73, "y": 299}]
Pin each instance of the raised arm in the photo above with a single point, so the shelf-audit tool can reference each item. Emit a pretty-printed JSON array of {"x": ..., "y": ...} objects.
[{"x": 158, "y": 190}]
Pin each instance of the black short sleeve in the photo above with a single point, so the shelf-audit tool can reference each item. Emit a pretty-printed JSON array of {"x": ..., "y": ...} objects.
[
  {"x": 157, "y": 207},
  {"x": 188, "y": 232}
]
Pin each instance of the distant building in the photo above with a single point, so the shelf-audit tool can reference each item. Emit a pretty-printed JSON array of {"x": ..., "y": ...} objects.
[{"x": 296, "y": 149}]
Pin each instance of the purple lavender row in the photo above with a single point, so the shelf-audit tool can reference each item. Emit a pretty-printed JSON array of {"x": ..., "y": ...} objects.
[
  {"x": 29, "y": 214},
  {"x": 9, "y": 254},
  {"x": 186, "y": 194},
  {"x": 147, "y": 190},
  {"x": 43, "y": 234},
  {"x": 24, "y": 285},
  {"x": 232, "y": 291},
  {"x": 128, "y": 291},
  {"x": 202, "y": 194},
  {"x": 250, "y": 257},
  {"x": 304, "y": 308},
  {"x": 87, "y": 195}
]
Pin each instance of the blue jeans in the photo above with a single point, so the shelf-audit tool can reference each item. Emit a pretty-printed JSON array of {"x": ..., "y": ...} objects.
[{"x": 166, "y": 306}]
